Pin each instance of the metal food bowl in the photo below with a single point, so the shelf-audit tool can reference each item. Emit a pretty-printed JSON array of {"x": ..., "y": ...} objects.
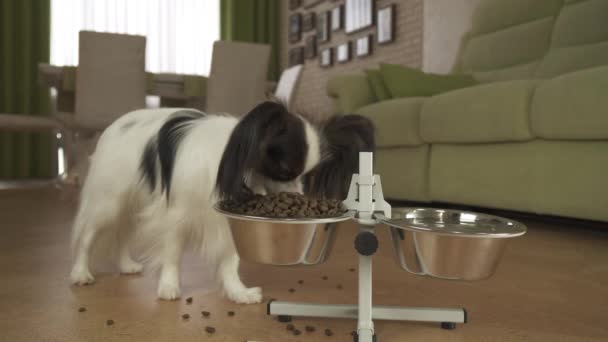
[
  {"x": 278, "y": 241},
  {"x": 449, "y": 244}
]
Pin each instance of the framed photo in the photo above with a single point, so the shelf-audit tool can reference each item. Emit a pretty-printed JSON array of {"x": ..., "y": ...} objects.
[
  {"x": 343, "y": 53},
  {"x": 293, "y": 4},
  {"x": 363, "y": 46},
  {"x": 386, "y": 24},
  {"x": 311, "y": 3},
  {"x": 295, "y": 33},
  {"x": 337, "y": 18},
  {"x": 323, "y": 27},
  {"x": 310, "y": 49},
  {"x": 296, "y": 56},
  {"x": 308, "y": 22},
  {"x": 326, "y": 57},
  {"x": 359, "y": 14}
]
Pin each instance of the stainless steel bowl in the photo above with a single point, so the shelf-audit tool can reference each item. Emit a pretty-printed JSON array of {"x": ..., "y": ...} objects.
[
  {"x": 287, "y": 241},
  {"x": 449, "y": 244}
]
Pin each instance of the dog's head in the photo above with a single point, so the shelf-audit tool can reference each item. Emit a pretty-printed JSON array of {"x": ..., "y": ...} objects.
[
  {"x": 280, "y": 146},
  {"x": 270, "y": 142}
]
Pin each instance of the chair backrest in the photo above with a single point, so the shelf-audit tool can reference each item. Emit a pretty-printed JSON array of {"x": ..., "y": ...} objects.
[
  {"x": 287, "y": 84},
  {"x": 237, "y": 80},
  {"x": 110, "y": 78}
]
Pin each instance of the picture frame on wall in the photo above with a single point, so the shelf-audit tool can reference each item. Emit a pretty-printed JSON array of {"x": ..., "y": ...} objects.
[
  {"x": 358, "y": 15},
  {"x": 323, "y": 27},
  {"x": 337, "y": 18},
  {"x": 310, "y": 49},
  {"x": 385, "y": 31},
  {"x": 311, "y": 3},
  {"x": 296, "y": 56},
  {"x": 308, "y": 22},
  {"x": 343, "y": 53},
  {"x": 295, "y": 32},
  {"x": 326, "y": 57},
  {"x": 293, "y": 4},
  {"x": 363, "y": 46}
]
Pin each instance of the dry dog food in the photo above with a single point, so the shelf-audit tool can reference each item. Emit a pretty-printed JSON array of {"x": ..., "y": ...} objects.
[
  {"x": 286, "y": 205},
  {"x": 324, "y": 278},
  {"x": 351, "y": 269},
  {"x": 210, "y": 330},
  {"x": 297, "y": 332},
  {"x": 206, "y": 313},
  {"x": 339, "y": 286},
  {"x": 289, "y": 327},
  {"x": 309, "y": 328},
  {"x": 110, "y": 322},
  {"x": 185, "y": 316},
  {"x": 328, "y": 332},
  {"x": 230, "y": 313},
  {"x": 300, "y": 282},
  {"x": 292, "y": 290},
  {"x": 82, "y": 309},
  {"x": 189, "y": 300}
]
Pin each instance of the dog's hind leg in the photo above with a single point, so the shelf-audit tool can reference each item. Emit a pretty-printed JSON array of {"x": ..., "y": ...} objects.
[
  {"x": 90, "y": 221},
  {"x": 126, "y": 264},
  {"x": 171, "y": 254}
]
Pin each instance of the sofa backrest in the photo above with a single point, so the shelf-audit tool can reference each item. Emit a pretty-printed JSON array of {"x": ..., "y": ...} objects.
[
  {"x": 579, "y": 39},
  {"x": 523, "y": 39}
]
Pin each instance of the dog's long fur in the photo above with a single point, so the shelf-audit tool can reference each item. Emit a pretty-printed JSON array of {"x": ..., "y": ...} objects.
[{"x": 156, "y": 174}]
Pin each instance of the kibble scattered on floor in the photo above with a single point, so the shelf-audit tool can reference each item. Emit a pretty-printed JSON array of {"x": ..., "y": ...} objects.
[
  {"x": 110, "y": 322},
  {"x": 189, "y": 300},
  {"x": 82, "y": 309},
  {"x": 297, "y": 332},
  {"x": 309, "y": 328},
  {"x": 210, "y": 330},
  {"x": 185, "y": 316},
  {"x": 300, "y": 282},
  {"x": 230, "y": 313},
  {"x": 351, "y": 269},
  {"x": 289, "y": 327},
  {"x": 328, "y": 332},
  {"x": 324, "y": 278},
  {"x": 292, "y": 290},
  {"x": 206, "y": 313},
  {"x": 339, "y": 286}
]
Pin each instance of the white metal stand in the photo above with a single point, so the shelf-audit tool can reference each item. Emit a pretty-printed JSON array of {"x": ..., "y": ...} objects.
[{"x": 365, "y": 197}]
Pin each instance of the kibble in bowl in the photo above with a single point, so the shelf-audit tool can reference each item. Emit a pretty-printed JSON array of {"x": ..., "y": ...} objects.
[
  {"x": 283, "y": 228},
  {"x": 286, "y": 205}
]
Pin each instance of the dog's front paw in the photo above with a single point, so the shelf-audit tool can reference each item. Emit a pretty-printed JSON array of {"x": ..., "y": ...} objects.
[
  {"x": 245, "y": 295},
  {"x": 168, "y": 291},
  {"x": 81, "y": 276}
]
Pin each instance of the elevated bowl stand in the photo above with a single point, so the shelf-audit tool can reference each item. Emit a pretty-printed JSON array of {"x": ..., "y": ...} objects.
[{"x": 365, "y": 197}]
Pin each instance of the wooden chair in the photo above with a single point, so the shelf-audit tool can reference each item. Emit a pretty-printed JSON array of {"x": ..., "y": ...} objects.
[
  {"x": 110, "y": 81},
  {"x": 237, "y": 80}
]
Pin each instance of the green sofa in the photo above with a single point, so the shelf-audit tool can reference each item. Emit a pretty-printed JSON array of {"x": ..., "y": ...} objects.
[{"x": 532, "y": 136}]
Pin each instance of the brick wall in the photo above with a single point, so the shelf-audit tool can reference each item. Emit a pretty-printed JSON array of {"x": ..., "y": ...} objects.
[{"x": 407, "y": 49}]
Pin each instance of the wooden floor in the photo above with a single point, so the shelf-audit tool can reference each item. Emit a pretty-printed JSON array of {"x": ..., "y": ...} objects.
[{"x": 551, "y": 286}]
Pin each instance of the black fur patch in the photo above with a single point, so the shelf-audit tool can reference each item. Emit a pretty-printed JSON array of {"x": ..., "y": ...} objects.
[
  {"x": 164, "y": 146},
  {"x": 344, "y": 137},
  {"x": 268, "y": 141}
]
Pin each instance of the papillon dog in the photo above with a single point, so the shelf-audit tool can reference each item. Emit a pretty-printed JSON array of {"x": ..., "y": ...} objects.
[{"x": 156, "y": 174}]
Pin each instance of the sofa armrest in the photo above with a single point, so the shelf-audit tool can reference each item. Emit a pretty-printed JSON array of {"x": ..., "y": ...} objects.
[{"x": 350, "y": 92}]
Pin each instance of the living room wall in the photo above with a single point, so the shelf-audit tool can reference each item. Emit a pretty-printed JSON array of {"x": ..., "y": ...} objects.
[
  {"x": 406, "y": 49},
  {"x": 427, "y": 36}
]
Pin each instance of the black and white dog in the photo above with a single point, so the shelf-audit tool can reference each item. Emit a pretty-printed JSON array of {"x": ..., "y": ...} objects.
[{"x": 156, "y": 174}]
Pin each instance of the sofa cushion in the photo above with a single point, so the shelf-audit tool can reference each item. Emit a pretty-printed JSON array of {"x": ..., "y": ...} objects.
[
  {"x": 579, "y": 40},
  {"x": 494, "y": 112},
  {"x": 403, "y": 81},
  {"x": 518, "y": 72},
  {"x": 377, "y": 84},
  {"x": 495, "y": 15},
  {"x": 397, "y": 121},
  {"x": 572, "y": 106}
]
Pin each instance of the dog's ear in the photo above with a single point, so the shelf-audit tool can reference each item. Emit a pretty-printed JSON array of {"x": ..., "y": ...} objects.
[
  {"x": 344, "y": 136},
  {"x": 242, "y": 151}
]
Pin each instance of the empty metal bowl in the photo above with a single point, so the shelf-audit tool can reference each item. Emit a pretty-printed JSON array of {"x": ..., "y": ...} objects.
[
  {"x": 288, "y": 241},
  {"x": 449, "y": 244}
]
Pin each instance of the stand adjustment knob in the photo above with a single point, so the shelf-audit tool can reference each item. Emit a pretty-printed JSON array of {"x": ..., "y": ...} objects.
[{"x": 366, "y": 243}]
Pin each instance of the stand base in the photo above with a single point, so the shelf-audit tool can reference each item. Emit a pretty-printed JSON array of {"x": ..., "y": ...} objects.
[{"x": 446, "y": 316}]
